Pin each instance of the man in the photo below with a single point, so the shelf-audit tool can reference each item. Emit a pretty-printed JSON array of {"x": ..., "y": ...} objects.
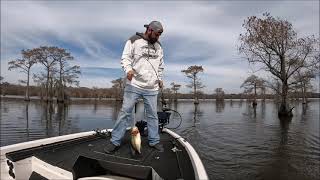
[{"x": 142, "y": 61}]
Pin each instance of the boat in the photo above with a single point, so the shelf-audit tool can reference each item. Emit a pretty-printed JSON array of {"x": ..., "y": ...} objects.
[{"x": 81, "y": 156}]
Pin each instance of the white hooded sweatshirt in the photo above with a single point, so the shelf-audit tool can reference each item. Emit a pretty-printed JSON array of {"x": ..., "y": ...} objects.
[{"x": 146, "y": 60}]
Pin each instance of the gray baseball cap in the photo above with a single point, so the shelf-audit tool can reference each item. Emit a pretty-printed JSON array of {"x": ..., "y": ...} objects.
[{"x": 154, "y": 25}]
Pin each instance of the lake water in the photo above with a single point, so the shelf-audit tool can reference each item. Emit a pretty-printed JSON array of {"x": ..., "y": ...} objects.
[{"x": 233, "y": 140}]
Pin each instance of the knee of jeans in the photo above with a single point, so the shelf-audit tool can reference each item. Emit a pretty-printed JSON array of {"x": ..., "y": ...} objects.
[
  {"x": 126, "y": 112},
  {"x": 151, "y": 112},
  {"x": 126, "y": 109},
  {"x": 153, "y": 117},
  {"x": 153, "y": 122}
]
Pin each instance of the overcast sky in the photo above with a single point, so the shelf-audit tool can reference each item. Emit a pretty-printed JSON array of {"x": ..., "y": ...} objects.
[{"x": 195, "y": 33}]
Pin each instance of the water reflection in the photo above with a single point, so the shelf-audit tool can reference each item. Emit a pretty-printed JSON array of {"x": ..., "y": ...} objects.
[
  {"x": 240, "y": 103},
  {"x": 251, "y": 112},
  {"x": 280, "y": 166},
  {"x": 232, "y": 140},
  {"x": 4, "y": 107},
  {"x": 263, "y": 109},
  {"x": 46, "y": 117},
  {"x": 116, "y": 109},
  {"x": 220, "y": 106},
  {"x": 304, "y": 108},
  {"x": 95, "y": 106},
  {"x": 27, "y": 119},
  {"x": 174, "y": 105},
  {"x": 61, "y": 116},
  {"x": 195, "y": 113},
  {"x": 284, "y": 128}
]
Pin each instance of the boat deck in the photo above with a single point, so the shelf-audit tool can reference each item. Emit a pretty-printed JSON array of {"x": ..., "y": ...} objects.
[{"x": 168, "y": 164}]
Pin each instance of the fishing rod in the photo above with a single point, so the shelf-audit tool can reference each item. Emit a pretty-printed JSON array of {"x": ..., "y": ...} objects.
[{"x": 164, "y": 116}]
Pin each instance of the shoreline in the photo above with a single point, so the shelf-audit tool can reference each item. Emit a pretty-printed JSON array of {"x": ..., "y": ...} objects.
[{"x": 73, "y": 99}]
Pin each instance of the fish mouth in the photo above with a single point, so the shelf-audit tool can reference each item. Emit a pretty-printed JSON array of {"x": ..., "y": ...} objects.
[{"x": 134, "y": 133}]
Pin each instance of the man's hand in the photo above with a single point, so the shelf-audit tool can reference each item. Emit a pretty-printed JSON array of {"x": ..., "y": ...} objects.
[
  {"x": 161, "y": 84},
  {"x": 130, "y": 75}
]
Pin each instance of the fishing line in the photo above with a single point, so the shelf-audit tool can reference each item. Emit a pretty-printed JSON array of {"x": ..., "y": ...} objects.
[
  {"x": 164, "y": 104},
  {"x": 168, "y": 109}
]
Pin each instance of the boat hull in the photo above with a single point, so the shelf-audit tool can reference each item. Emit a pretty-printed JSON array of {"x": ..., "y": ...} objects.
[{"x": 39, "y": 156}]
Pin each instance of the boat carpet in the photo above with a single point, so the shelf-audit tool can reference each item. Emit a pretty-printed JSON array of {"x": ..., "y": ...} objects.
[{"x": 167, "y": 164}]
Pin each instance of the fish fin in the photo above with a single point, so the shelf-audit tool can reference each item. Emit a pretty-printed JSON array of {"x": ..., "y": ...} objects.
[{"x": 133, "y": 151}]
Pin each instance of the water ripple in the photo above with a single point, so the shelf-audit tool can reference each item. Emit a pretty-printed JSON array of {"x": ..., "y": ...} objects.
[{"x": 233, "y": 140}]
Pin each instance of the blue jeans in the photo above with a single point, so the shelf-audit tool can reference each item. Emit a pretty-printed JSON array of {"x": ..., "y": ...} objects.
[{"x": 130, "y": 97}]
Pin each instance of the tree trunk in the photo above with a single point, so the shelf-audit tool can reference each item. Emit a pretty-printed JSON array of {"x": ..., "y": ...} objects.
[
  {"x": 51, "y": 91},
  {"x": 47, "y": 84},
  {"x": 62, "y": 92},
  {"x": 284, "y": 110},
  {"x": 41, "y": 91},
  {"x": 27, "y": 97},
  {"x": 263, "y": 95},
  {"x": 254, "y": 103},
  {"x": 195, "y": 90},
  {"x": 60, "y": 89},
  {"x": 304, "y": 98}
]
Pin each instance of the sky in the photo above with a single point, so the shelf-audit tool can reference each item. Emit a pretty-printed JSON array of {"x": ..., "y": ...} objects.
[{"x": 203, "y": 33}]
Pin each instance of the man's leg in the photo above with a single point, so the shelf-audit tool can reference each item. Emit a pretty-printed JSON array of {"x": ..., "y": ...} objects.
[
  {"x": 124, "y": 117},
  {"x": 150, "y": 104}
]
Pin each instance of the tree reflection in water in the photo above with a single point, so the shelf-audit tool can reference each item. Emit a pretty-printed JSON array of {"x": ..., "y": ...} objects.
[
  {"x": 61, "y": 116},
  {"x": 256, "y": 148},
  {"x": 279, "y": 166},
  {"x": 263, "y": 109},
  {"x": 54, "y": 116},
  {"x": 27, "y": 119},
  {"x": 220, "y": 106},
  {"x": 46, "y": 116},
  {"x": 116, "y": 109},
  {"x": 197, "y": 114}
]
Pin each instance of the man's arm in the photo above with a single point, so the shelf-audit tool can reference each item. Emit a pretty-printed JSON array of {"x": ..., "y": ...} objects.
[
  {"x": 127, "y": 60},
  {"x": 160, "y": 72}
]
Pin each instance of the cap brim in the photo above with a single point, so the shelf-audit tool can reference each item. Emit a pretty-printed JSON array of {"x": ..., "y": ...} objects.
[{"x": 146, "y": 25}]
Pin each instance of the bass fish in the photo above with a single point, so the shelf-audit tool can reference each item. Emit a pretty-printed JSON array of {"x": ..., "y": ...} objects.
[{"x": 136, "y": 139}]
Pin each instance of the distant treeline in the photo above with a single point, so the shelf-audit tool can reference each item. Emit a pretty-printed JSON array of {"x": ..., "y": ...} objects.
[{"x": 84, "y": 92}]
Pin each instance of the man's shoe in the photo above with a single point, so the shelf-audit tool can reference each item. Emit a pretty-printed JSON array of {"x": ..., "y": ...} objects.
[
  {"x": 111, "y": 148},
  {"x": 157, "y": 147}
]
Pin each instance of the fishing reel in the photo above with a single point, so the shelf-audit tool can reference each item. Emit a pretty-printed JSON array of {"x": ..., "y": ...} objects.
[
  {"x": 164, "y": 121},
  {"x": 142, "y": 125},
  {"x": 163, "y": 117}
]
